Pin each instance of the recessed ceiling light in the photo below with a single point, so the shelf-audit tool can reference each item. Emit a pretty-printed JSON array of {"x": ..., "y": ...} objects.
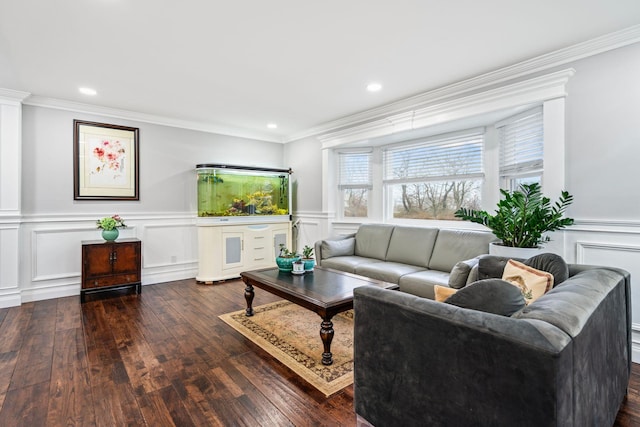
[
  {"x": 87, "y": 91},
  {"x": 272, "y": 126},
  {"x": 374, "y": 87}
]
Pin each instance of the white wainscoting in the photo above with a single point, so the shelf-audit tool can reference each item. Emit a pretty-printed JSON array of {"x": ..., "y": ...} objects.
[
  {"x": 51, "y": 252},
  {"x": 169, "y": 252},
  {"x": 309, "y": 228},
  {"x": 623, "y": 256},
  {"x": 9, "y": 242}
]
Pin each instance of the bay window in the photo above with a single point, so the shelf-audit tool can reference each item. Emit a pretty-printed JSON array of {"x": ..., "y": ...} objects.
[{"x": 432, "y": 178}]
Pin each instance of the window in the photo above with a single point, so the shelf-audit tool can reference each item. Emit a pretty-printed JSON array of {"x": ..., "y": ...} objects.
[
  {"x": 521, "y": 149},
  {"x": 354, "y": 182},
  {"x": 431, "y": 179}
]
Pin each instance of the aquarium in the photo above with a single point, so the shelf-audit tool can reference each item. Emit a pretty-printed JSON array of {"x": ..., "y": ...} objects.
[{"x": 242, "y": 191}]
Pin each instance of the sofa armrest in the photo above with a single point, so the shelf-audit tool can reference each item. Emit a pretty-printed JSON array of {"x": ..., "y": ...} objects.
[
  {"x": 421, "y": 362},
  {"x": 459, "y": 275}
]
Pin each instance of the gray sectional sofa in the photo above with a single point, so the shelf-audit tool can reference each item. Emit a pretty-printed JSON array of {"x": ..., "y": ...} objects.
[
  {"x": 564, "y": 360},
  {"x": 416, "y": 258}
]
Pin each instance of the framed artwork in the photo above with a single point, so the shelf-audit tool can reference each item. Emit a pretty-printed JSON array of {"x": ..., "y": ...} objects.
[{"x": 105, "y": 162}]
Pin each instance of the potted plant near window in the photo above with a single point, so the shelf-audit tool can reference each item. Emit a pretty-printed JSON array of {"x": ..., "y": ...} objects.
[
  {"x": 307, "y": 258},
  {"x": 286, "y": 258},
  {"x": 522, "y": 218}
]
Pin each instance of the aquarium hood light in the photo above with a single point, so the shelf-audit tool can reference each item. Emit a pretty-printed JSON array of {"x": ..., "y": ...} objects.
[{"x": 241, "y": 168}]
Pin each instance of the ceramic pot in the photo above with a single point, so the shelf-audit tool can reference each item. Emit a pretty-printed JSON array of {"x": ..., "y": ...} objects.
[
  {"x": 286, "y": 264},
  {"x": 511, "y": 252},
  {"x": 309, "y": 263},
  {"x": 110, "y": 235}
]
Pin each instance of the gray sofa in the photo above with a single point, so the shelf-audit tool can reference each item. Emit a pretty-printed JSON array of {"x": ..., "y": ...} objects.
[
  {"x": 564, "y": 360},
  {"x": 416, "y": 258}
]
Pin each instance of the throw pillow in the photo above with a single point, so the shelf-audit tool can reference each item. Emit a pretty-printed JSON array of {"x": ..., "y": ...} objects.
[
  {"x": 443, "y": 292},
  {"x": 333, "y": 248},
  {"x": 491, "y": 266},
  {"x": 533, "y": 283},
  {"x": 460, "y": 273},
  {"x": 550, "y": 263},
  {"x": 490, "y": 296}
]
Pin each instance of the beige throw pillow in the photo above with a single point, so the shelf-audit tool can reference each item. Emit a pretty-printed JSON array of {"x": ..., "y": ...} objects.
[
  {"x": 443, "y": 292},
  {"x": 533, "y": 283}
]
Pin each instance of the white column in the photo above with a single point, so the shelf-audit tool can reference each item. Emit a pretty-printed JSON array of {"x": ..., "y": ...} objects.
[
  {"x": 10, "y": 193},
  {"x": 554, "y": 159}
]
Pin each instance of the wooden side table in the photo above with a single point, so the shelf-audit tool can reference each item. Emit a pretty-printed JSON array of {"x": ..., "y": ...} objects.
[{"x": 110, "y": 265}]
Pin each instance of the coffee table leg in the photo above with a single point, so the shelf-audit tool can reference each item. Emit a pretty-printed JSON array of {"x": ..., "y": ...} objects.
[
  {"x": 248, "y": 295},
  {"x": 326, "y": 333}
]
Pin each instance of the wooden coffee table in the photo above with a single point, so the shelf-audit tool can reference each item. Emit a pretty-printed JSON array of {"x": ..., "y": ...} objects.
[{"x": 324, "y": 291}]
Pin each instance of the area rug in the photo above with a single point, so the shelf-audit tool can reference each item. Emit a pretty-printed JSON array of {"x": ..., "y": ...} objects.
[{"x": 291, "y": 334}]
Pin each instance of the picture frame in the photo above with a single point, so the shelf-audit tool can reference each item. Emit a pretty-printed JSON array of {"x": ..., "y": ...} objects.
[{"x": 105, "y": 161}]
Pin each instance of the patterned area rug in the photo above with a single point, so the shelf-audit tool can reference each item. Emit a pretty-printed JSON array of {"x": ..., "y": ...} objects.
[{"x": 291, "y": 334}]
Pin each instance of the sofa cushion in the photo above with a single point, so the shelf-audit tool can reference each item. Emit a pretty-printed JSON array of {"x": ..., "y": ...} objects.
[
  {"x": 532, "y": 283},
  {"x": 347, "y": 263},
  {"x": 386, "y": 271},
  {"x": 491, "y": 266},
  {"x": 412, "y": 245},
  {"x": 454, "y": 245},
  {"x": 551, "y": 263},
  {"x": 372, "y": 240},
  {"x": 333, "y": 248},
  {"x": 422, "y": 282},
  {"x": 458, "y": 278},
  {"x": 490, "y": 296}
]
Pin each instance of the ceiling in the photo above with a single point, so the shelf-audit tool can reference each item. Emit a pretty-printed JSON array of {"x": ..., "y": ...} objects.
[{"x": 237, "y": 66}]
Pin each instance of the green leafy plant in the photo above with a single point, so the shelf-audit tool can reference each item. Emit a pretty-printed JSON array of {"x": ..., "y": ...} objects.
[
  {"x": 286, "y": 253},
  {"x": 307, "y": 252},
  {"x": 523, "y": 216},
  {"x": 110, "y": 223}
]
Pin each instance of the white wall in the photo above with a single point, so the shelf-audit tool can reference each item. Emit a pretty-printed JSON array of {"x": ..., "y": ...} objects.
[
  {"x": 305, "y": 159},
  {"x": 54, "y": 224}
]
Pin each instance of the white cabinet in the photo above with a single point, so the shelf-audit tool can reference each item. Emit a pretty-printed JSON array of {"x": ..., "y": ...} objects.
[{"x": 227, "y": 250}]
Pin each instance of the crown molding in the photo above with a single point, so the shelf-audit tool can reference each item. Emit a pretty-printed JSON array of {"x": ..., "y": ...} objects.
[
  {"x": 532, "y": 91},
  {"x": 60, "y": 104},
  {"x": 13, "y": 95},
  {"x": 537, "y": 64}
]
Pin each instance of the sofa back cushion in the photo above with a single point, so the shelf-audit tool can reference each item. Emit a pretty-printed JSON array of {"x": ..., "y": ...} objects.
[
  {"x": 372, "y": 240},
  {"x": 457, "y": 245},
  {"x": 412, "y": 245}
]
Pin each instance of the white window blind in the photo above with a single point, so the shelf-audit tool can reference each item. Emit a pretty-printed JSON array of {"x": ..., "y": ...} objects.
[
  {"x": 354, "y": 170},
  {"x": 521, "y": 144},
  {"x": 448, "y": 158}
]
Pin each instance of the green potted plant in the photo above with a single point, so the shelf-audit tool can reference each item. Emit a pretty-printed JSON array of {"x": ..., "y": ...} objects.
[
  {"x": 307, "y": 258},
  {"x": 523, "y": 217},
  {"x": 109, "y": 226},
  {"x": 286, "y": 258}
]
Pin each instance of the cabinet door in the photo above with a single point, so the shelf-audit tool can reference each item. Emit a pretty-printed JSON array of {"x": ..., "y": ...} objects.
[
  {"x": 232, "y": 250},
  {"x": 280, "y": 237},
  {"x": 126, "y": 258},
  {"x": 97, "y": 260}
]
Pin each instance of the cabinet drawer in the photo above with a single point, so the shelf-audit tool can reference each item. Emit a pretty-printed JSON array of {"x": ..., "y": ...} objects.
[
  {"x": 259, "y": 254},
  {"x": 119, "y": 279}
]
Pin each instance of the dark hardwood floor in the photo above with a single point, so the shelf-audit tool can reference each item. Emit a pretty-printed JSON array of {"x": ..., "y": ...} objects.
[{"x": 158, "y": 359}]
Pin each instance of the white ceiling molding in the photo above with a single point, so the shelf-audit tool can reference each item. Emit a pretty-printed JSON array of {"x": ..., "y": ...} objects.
[
  {"x": 541, "y": 63},
  {"x": 78, "y": 107},
  {"x": 532, "y": 91},
  {"x": 13, "y": 95}
]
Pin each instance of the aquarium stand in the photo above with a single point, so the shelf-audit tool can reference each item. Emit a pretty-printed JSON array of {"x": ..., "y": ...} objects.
[{"x": 226, "y": 250}]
